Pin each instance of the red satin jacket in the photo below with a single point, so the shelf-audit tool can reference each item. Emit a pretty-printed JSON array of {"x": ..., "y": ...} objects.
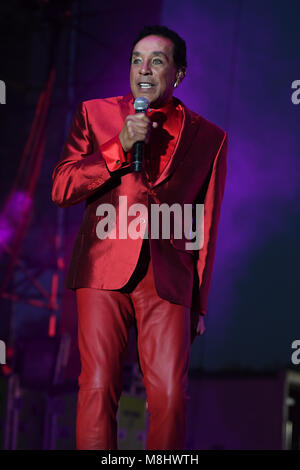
[{"x": 92, "y": 169}]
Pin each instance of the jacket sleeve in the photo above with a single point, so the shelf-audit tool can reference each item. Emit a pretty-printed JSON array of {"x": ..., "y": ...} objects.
[
  {"x": 80, "y": 170},
  {"x": 212, "y": 210}
]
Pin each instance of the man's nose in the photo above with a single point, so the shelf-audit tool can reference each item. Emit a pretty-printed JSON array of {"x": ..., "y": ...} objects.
[{"x": 145, "y": 68}]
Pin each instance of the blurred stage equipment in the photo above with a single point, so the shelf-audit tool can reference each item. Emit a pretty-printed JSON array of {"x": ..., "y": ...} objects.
[
  {"x": 244, "y": 410},
  {"x": 39, "y": 366},
  {"x": 38, "y": 372},
  {"x": 41, "y": 406}
]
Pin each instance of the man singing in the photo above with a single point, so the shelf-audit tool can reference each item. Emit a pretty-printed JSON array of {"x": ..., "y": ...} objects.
[{"x": 158, "y": 284}]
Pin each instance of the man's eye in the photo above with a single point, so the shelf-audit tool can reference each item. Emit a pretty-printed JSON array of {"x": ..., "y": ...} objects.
[
  {"x": 136, "y": 61},
  {"x": 157, "y": 61}
]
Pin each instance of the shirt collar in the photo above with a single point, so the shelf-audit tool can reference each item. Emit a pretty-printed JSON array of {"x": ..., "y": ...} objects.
[{"x": 168, "y": 107}]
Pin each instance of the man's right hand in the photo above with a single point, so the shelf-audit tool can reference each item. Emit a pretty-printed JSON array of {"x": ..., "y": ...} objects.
[{"x": 137, "y": 127}]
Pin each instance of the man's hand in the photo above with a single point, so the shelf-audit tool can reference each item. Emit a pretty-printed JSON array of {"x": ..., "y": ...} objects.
[
  {"x": 137, "y": 127},
  {"x": 197, "y": 324},
  {"x": 200, "y": 325}
]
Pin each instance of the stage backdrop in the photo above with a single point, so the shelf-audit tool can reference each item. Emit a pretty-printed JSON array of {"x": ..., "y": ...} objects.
[{"x": 242, "y": 60}]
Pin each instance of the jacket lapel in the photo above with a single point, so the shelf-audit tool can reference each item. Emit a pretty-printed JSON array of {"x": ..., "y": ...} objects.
[{"x": 188, "y": 131}]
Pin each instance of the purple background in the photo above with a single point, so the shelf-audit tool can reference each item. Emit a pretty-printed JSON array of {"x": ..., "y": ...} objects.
[{"x": 242, "y": 59}]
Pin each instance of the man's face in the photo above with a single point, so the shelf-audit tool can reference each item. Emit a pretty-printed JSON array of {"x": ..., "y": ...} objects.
[{"x": 152, "y": 71}]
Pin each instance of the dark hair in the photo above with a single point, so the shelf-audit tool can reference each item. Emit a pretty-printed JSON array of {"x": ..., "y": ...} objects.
[{"x": 179, "y": 50}]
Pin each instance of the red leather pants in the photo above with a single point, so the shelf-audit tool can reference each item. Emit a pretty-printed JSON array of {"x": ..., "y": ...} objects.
[{"x": 164, "y": 339}]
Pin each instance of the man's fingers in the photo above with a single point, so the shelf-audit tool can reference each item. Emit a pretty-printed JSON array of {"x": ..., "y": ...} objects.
[
  {"x": 130, "y": 130},
  {"x": 142, "y": 126},
  {"x": 138, "y": 136},
  {"x": 139, "y": 129},
  {"x": 201, "y": 331},
  {"x": 139, "y": 117},
  {"x": 134, "y": 130},
  {"x": 200, "y": 326}
]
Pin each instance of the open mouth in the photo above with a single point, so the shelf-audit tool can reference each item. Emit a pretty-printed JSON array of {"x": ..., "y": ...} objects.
[{"x": 145, "y": 85}]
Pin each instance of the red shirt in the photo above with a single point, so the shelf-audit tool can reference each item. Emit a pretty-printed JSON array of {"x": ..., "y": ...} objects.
[{"x": 163, "y": 138}]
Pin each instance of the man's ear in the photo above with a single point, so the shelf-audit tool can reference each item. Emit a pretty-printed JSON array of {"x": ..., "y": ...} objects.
[{"x": 180, "y": 75}]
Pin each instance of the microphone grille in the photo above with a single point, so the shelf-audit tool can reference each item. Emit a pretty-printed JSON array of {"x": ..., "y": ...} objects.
[{"x": 141, "y": 104}]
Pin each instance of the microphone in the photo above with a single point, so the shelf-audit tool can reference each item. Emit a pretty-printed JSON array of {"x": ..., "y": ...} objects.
[{"x": 141, "y": 105}]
